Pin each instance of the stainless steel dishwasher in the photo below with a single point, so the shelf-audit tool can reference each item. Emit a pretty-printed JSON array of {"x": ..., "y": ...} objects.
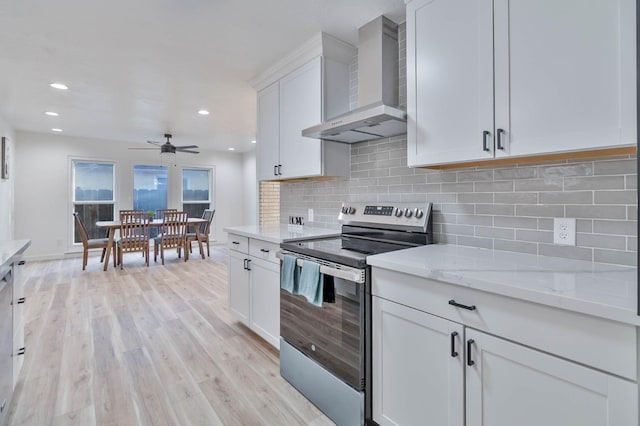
[{"x": 6, "y": 341}]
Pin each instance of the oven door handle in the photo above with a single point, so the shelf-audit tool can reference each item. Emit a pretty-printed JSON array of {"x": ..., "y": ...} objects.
[{"x": 327, "y": 268}]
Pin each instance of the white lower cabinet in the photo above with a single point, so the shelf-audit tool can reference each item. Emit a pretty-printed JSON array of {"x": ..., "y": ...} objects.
[
  {"x": 239, "y": 286},
  {"x": 434, "y": 371},
  {"x": 510, "y": 384},
  {"x": 254, "y": 287},
  {"x": 416, "y": 379},
  {"x": 265, "y": 300}
]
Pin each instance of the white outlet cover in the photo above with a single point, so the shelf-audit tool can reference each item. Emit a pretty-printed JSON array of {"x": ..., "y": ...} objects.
[
  {"x": 564, "y": 231},
  {"x": 310, "y": 215}
]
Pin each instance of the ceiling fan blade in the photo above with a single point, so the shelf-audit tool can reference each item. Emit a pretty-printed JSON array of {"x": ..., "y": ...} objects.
[
  {"x": 146, "y": 149},
  {"x": 155, "y": 143},
  {"x": 188, "y": 152},
  {"x": 187, "y": 146}
]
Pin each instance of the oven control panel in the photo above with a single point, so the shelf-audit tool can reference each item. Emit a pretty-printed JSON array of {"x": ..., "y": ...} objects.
[
  {"x": 408, "y": 216},
  {"x": 378, "y": 210}
]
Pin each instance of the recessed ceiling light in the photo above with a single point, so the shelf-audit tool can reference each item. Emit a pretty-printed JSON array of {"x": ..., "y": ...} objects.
[
  {"x": 56, "y": 130},
  {"x": 203, "y": 112},
  {"x": 253, "y": 141},
  {"x": 59, "y": 86},
  {"x": 52, "y": 114},
  {"x": 232, "y": 149}
]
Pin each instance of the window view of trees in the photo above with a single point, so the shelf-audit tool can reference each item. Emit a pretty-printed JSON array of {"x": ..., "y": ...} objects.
[{"x": 93, "y": 195}]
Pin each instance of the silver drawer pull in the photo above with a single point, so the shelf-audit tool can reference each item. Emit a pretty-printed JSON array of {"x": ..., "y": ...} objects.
[
  {"x": 235, "y": 242},
  {"x": 264, "y": 250}
]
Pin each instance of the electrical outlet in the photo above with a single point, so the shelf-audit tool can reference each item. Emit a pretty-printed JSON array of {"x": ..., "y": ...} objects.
[
  {"x": 310, "y": 215},
  {"x": 564, "y": 231}
]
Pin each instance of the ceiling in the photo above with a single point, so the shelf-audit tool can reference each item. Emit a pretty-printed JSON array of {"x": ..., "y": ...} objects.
[{"x": 137, "y": 69}]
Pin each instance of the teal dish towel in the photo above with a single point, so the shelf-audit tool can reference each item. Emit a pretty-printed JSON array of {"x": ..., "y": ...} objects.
[
  {"x": 288, "y": 276},
  {"x": 311, "y": 283}
]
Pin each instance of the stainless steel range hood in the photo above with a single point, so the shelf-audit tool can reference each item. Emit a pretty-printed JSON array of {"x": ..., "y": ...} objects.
[{"x": 378, "y": 115}]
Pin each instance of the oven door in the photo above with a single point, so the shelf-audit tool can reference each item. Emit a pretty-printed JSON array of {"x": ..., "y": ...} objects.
[{"x": 332, "y": 335}]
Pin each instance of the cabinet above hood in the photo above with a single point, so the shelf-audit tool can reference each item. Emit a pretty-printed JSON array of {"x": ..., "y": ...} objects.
[{"x": 378, "y": 115}]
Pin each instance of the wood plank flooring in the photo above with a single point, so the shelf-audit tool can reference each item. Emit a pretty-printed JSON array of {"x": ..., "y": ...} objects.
[{"x": 146, "y": 346}]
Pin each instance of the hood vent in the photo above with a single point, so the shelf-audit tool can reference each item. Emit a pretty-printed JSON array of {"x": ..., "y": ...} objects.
[{"x": 378, "y": 115}]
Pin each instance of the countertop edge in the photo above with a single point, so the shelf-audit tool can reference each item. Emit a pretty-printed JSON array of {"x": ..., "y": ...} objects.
[
  {"x": 585, "y": 307},
  {"x": 15, "y": 252},
  {"x": 267, "y": 233}
]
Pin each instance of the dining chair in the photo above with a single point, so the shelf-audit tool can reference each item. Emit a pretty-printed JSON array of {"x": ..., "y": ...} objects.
[
  {"x": 88, "y": 244},
  {"x": 204, "y": 230},
  {"x": 173, "y": 234},
  {"x": 160, "y": 212},
  {"x": 134, "y": 235}
]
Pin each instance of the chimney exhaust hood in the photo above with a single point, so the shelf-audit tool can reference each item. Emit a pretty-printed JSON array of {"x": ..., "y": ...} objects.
[{"x": 378, "y": 115}]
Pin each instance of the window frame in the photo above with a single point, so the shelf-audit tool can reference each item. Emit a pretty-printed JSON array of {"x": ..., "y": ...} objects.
[
  {"x": 72, "y": 193},
  {"x": 210, "y": 201}
]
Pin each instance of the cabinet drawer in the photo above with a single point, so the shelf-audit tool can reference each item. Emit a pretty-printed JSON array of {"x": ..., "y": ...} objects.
[
  {"x": 238, "y": 243},
  {"x": 593, "y": 341},
  {"x": 264, "y": 250}
]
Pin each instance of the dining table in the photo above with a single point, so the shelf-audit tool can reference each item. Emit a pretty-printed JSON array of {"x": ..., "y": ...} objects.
[{"x": 114, "y": 225}]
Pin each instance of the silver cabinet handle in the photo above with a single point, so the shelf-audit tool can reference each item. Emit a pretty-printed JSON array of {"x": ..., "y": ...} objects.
[{"x": 264, "y": 250}]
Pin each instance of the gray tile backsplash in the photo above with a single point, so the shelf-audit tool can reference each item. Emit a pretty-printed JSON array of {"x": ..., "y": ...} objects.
[{"x": 502, "y": 208}]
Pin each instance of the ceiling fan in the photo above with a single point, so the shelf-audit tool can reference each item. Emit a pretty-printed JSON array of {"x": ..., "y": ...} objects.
[{"x": 168, "y": 148}]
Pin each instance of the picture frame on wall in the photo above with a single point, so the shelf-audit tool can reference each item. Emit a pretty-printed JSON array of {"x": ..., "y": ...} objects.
[{"x": 5, "y": 158}]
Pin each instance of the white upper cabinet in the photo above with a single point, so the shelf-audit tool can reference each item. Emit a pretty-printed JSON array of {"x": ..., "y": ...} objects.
[
  {"x": 268, "y": 150},
  {"x": 301, "y": 107},
  {"x": 540, "y": 76},
  {"x": 302, "y": 90},
  {"x": 449, "y": 81}
]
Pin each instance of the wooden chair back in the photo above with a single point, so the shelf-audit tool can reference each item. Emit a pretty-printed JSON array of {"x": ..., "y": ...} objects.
[
  {"x": 208, "y": 216},
  {"x": 173, "y": 231},
  {"x": 161, "y": 212},
  {"x": 84, "y": 235},
  {"x": 134, "y": 231}
]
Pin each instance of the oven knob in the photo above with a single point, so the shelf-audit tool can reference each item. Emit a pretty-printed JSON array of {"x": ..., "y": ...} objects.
[
  {"x": 418, "y": 213},
  {"x": 351, "y": 210},
  {"x": 343, "y": 209},
  {"x": 408, "y": 212},
  {"x": 398, "y": 212}
]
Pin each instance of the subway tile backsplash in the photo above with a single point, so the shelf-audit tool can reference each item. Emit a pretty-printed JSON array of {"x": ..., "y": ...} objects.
[{"x": 502, "y": 208}]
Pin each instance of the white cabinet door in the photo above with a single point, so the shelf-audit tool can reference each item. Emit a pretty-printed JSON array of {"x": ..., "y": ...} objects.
[
  {"x": 268, "y": 136},
  {"x": 265, "y": 300},
  {"x": 449, "y": 81},
  {"x": 416, "y": 380},
  {"x": 239, "y": 291},
  {"x": 565, "y": 74},
  {"x": 18, "y": 319},
  {"x": 301, "y": 107},
  {"x": 509, "y": 384}
]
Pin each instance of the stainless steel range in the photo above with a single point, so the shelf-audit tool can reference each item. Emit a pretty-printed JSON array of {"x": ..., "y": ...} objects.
[{"x": 325, "y": 352}]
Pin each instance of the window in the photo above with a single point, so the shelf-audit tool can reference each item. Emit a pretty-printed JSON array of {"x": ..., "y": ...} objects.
[
  {"x": 196, "y": 191},
  {"x": 93, "y": 195},
  {"x": 150, "y": 187}
]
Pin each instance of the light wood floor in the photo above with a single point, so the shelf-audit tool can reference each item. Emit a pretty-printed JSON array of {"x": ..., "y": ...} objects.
[{"x": 145, "y": 346}]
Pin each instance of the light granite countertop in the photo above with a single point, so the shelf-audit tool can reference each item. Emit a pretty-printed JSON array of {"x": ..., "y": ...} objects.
[
  {"x": 280, "y": 233},
  {"x": 603, "y": 290},
  {"x": 10, "y": 249}
]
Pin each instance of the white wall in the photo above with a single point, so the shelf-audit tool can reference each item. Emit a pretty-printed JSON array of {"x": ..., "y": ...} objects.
[
  {"x": 250, "y": 189},
  {"x": 7, "y": 185},
  {"x": 43, "y": 195}
]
